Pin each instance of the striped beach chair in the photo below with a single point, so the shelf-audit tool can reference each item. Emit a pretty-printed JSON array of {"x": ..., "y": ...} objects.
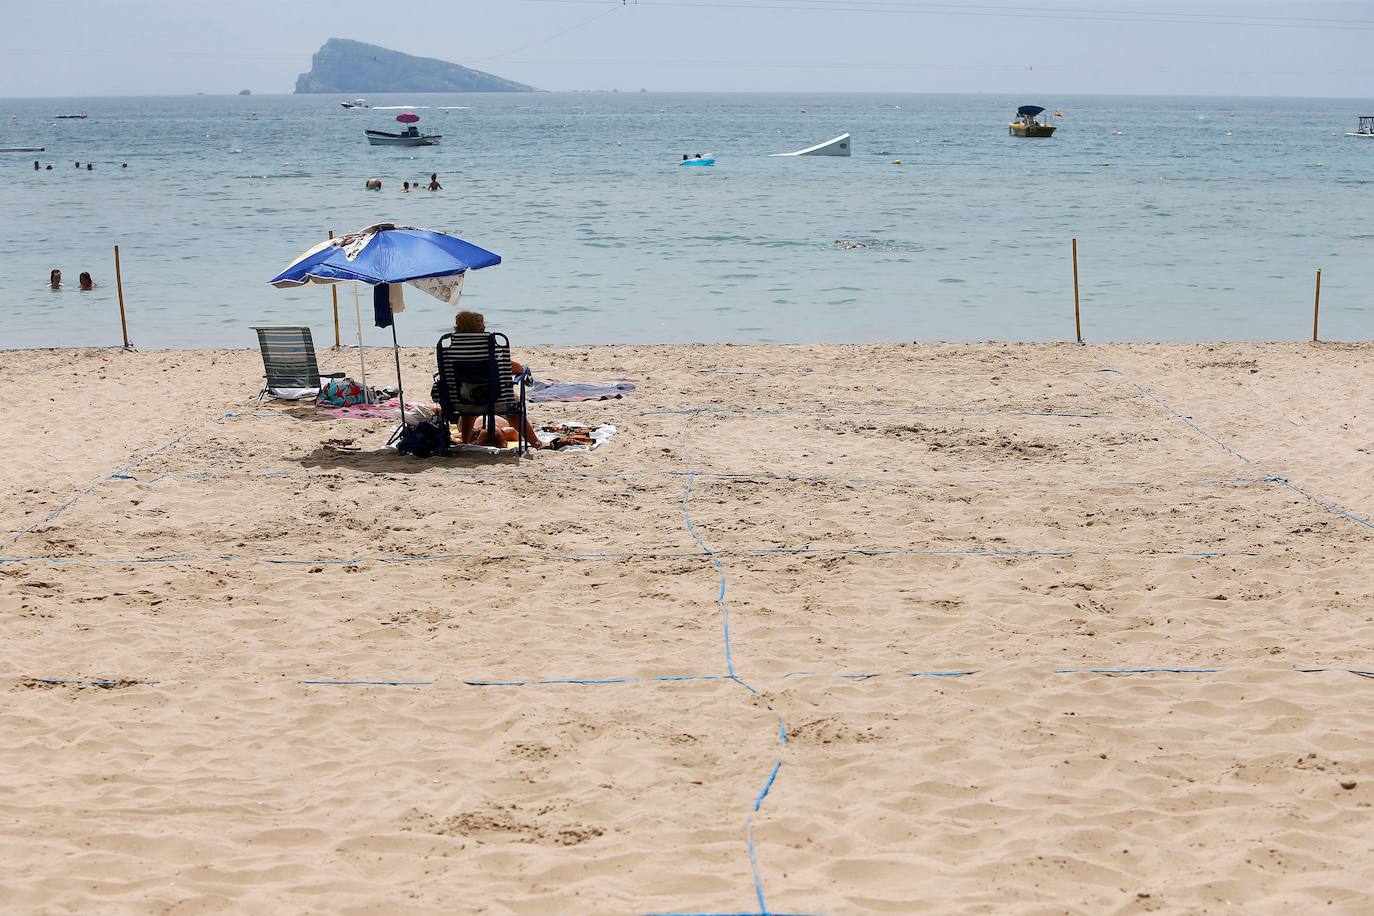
[
  {"x": 474, "y": 380},
  {"x": 288, "y": 361}
]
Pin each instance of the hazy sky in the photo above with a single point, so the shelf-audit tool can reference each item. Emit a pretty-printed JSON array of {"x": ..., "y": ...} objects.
[{"x": 1225, "y": 47}]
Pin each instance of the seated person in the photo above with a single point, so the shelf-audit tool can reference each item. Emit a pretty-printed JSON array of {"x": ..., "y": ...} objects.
[{"x": 468, "y": 430}]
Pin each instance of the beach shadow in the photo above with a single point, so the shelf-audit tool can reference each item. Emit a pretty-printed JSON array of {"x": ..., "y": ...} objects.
[{"x": 386, "y": 461}]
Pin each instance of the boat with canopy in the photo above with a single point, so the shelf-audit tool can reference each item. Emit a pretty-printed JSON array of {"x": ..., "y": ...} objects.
[{"x": 1027, "y": 123}]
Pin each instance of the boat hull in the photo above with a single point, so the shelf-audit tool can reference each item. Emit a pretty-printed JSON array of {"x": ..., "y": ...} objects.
[
  {"x": 1031, "y": 130},
  {"x": 840, "y": 146},
  {"x": 383, "y": 139},
  {"x": 1355, "y": 133},
  {"x": 687, "y": 163}
]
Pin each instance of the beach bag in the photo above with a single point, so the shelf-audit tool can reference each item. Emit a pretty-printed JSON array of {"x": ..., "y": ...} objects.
[
  {"x": 423, "y": 440},
  {"x": 341, "y": 392}
]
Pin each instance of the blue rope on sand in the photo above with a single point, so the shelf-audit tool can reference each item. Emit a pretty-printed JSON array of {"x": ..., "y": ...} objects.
[
  {"x": 1323, "y": 503},
  {"x": 120, "y": 473},
  {"x": 368, "y": 683},
  {"x": 720, "y": 568},
  {"x": 1179, "y": 416}
]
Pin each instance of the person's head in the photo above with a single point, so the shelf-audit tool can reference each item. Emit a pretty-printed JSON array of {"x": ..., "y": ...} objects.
[
  {"x": 433, "y": 176},
  {"x": 89, "y": 166},
  {"x": 469, "y": 323},
  {"x": 55, "y": 278},
  {"x": 78, "y": 165},
  {"x": 124, "y": 165},
  {"x": 50, "y": 168},
  {"x": 35, "y": 165},
  {"x": 86, "y": 281},
  {"x": 685, "y": 157},
  {"x": 698, "y": 155},
  {"x": 405, "y": 186}
]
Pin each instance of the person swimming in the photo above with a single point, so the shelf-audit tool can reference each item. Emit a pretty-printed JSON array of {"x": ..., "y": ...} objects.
[
  {"x": 405, "y": 187},
  {"x": 85, "y": 280},
  {"x": 55, "y": 279},
  {"x": 434, "y": 182}
]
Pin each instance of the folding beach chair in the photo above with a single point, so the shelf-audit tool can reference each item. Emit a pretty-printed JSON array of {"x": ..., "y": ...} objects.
[
  {"x": 288, "y": 358},
  {"x": 474, "y": 380}
]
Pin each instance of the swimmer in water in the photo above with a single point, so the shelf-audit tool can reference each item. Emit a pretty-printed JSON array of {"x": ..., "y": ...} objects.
[
  {"x": 434, "y": 182},
  {"x": 35, "y": 165},
  {"x": 89, "y": 166},
  {"x": 405, "y": 187},
  {"x": 86, "y": 282},
  {"x": 55, "y": 279}
]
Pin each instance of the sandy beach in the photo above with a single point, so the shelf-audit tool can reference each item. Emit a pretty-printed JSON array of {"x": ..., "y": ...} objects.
[{"x": 822, "y": 630}]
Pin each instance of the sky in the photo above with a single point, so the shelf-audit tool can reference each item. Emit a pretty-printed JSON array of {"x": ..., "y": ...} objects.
[{"x": 1222, "y": 47}]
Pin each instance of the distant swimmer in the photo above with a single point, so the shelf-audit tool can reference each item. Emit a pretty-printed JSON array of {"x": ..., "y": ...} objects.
[
  {"x": 374, "y": 184},
  {"x": 405, "y": 187},
  {"x": 86, "y": 282},
  {"x": 50, "y": 168},
  {"x": 434, "y": 182},
  {"x": 124, "y": 165},
  {"x": 35, "y": 165},
  {"x": 847, "y": 245},
  {"x": 55, "y": 279},
  {"x": 89, "y": 166}
]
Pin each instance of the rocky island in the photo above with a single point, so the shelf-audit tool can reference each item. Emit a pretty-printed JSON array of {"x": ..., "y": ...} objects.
[{"x": 343, "y": 65}]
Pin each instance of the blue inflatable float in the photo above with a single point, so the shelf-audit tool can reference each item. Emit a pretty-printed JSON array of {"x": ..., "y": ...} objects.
[{"x": 686, "y": 162}]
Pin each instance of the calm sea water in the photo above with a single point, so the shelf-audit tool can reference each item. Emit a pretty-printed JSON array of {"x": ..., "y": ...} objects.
[{"x": 1205, "y": 219}]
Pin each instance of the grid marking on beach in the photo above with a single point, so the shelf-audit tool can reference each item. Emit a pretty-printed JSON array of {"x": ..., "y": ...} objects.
[{"x": 761, "y": 800}]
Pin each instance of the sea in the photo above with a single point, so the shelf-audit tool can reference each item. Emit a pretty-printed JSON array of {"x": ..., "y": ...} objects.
[{"x": 1196, "y": 219}]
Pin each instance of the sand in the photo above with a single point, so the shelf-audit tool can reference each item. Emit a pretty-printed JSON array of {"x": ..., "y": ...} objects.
[{"x": 924, "y": 555}]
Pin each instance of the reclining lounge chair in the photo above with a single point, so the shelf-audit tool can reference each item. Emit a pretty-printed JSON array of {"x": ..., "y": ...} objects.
[{"x": 288, "y": 361}]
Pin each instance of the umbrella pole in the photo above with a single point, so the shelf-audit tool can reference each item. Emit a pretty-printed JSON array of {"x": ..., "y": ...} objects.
[
  {"x": 400, "y": 391},
  {"x": 362, "y": 359}
]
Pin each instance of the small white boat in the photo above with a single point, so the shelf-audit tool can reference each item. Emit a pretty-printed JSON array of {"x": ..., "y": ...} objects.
[
  {"x": 836, "y": 147},
  {"x": 1366, "y": 127},
  {"x": 356, "y": 103},
  {"x": 411, "y": 137}
]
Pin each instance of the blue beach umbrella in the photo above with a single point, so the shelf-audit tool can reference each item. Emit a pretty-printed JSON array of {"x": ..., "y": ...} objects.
[{"x": 384, "y": 254}]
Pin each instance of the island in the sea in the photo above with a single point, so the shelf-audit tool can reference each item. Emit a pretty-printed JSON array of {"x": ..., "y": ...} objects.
[{"x": 343, "y": 65}]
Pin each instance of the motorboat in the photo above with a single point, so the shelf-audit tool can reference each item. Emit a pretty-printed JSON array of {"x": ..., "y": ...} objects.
[
  {"x": 1366, "y": 128},
  {"x": 411, "y": 136},
  {"x": 839, "y": 146},
  {"x": 1027, "y": 123},
  {"x": 356, "y": 103},
  {"x": 71, "y": 117},
  {"x": 710, "y": 161},
  {"x": 23, "y": 149}
]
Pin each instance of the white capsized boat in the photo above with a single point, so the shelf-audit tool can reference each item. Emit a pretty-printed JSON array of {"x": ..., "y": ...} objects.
[{"x": 836, "y": 147}]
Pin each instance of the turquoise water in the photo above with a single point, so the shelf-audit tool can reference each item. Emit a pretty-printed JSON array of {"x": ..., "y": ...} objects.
[{"x": 1205, "y": 225}]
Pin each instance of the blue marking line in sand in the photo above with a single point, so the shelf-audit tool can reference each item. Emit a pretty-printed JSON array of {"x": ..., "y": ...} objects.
[
  {"x": 768, "y": 784},
  {"x": 91, "y": 682},
  {"x": 1323, "y": 503},
  {"x": 1137, "y": 670},
  {"x": 754, "y": 865},
  {"x": 115, "y": 474},
  {"x": 1179, "y": 416},
  {"x": 367, "y": 683},
  {"x": 720, "y": 568}
]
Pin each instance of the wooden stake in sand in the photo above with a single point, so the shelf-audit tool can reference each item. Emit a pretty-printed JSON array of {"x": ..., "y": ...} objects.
[
  {"x": 1077, "y": 321},
  {"x": 119, "y": 287},
  {"x": 334, "y": 294},
  {"x": 1316, "y": 305}
]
